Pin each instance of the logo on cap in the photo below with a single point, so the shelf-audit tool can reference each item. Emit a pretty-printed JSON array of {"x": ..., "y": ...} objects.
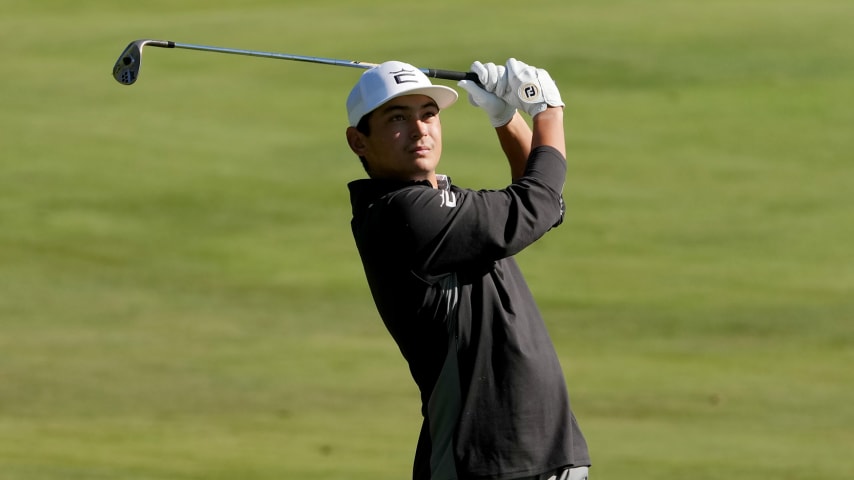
[{"x": 400, "y": 76}]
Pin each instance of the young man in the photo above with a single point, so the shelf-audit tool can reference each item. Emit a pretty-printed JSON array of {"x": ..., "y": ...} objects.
[{"x": 439, "y": 263}]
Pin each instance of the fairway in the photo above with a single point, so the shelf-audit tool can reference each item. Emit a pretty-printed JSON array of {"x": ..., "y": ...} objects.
[{"x": 181, "y": 297}]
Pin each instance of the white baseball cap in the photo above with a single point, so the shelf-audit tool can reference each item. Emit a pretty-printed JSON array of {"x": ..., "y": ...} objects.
[{"x": 391, "y": 80}]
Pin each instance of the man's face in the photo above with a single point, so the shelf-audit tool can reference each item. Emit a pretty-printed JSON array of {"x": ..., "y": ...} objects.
[{"x": 405, "y": 141}]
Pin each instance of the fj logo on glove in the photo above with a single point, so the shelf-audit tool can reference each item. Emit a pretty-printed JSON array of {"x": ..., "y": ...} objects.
[
  {"x": 530, "y": 93},
  {"x": 404, "y": 76}
]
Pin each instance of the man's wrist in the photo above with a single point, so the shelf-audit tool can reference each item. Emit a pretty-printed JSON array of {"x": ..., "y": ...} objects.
[
  {"x": 550, "y": 113},
  {"x": 548, "y": 129}
]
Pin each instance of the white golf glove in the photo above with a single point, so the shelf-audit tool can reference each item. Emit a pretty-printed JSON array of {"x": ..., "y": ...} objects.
[
  {"x": 529, "y": 89},
  {"x": 492, "y": 77}
]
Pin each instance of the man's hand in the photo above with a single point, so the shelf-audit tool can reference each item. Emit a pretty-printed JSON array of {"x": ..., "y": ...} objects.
[
  {"x": 528, "y": 88},
  {"x": 492, "y": 77}
]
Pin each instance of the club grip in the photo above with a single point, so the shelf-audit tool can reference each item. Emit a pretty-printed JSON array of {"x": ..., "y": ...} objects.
[{"x": 451, "y": 75}]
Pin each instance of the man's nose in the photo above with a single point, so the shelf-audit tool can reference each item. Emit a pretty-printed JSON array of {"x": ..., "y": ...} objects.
[{"x": 420, "y": 129}]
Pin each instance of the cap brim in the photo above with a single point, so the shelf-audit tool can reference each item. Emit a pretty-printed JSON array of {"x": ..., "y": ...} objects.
[{"x": 442, "y": 95}]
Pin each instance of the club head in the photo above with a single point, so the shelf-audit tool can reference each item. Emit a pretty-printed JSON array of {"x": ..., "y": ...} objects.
[{"x": 126, "y": 69}]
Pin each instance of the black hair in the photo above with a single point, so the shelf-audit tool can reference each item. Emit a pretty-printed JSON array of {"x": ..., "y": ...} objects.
[{"x": 364, "y": 127}]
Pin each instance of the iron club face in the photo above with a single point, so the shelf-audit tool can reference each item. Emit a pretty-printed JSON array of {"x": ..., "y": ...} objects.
[{"x": 126, "y": 69}]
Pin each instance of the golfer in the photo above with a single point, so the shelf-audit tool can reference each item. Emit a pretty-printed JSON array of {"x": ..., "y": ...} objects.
[{"x": 439, "y": 263}]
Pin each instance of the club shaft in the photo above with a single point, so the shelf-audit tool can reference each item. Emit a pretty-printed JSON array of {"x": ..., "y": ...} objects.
[{"x": 430, "y": 72}]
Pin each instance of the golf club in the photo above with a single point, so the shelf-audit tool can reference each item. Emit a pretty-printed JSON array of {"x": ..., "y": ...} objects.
[{"x": 126, "y": 70}]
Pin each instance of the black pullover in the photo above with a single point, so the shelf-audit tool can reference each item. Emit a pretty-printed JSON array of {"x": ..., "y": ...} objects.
[{"x": 440, "y": 267}]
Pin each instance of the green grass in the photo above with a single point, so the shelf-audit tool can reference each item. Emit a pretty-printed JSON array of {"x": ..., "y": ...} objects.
[{"x": 180, "y": 297}]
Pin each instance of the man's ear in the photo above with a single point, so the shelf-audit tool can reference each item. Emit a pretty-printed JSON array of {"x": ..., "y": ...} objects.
[{"x": 356, "y": 141}]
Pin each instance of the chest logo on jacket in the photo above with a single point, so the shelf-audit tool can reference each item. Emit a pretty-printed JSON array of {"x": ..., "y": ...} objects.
[{"x": 449, "y": 199}]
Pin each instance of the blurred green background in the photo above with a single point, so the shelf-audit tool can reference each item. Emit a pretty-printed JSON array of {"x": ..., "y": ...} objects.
[{"x": 180, "y": 297}]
